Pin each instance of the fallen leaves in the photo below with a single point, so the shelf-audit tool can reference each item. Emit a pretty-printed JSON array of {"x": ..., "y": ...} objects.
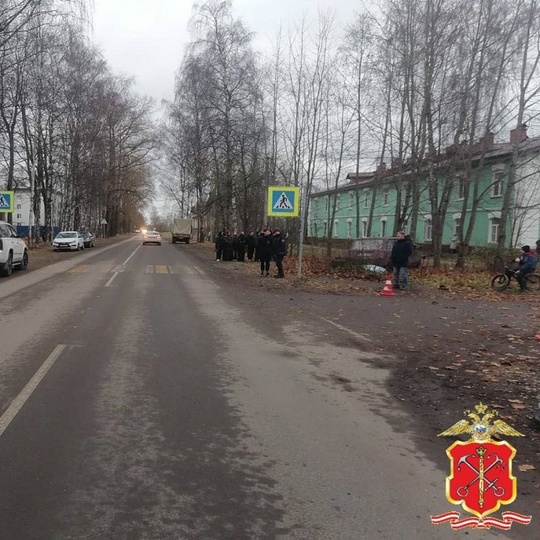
[{"x": 526, "y": 467}]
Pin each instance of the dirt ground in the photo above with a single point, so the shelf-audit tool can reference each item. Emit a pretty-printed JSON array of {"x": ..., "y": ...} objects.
[{"x": 456, "y": 349}]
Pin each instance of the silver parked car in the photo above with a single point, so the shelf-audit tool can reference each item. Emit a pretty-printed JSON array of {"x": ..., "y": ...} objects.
[
  {"x": 68, "y": 240},
  {"x": 88, "y": 239}
]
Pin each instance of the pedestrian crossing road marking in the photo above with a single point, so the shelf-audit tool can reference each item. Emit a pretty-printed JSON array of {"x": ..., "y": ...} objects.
[
  {"x": 79, "y": 269},
  {"x": 148, "y": 269}
]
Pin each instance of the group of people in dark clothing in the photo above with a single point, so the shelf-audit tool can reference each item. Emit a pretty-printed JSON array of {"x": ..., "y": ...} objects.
[{"x": 262, "y": 247}]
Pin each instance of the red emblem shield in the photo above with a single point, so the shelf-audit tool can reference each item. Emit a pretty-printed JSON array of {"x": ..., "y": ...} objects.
[{"x": 481, "y": 476}]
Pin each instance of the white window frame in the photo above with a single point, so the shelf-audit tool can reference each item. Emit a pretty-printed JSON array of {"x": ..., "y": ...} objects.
[
  {"x": 404, "y": 189},
  {"x": 336, "y": 228},
  {"x": 457, "y": 223},
  {"x": 497, "y": 181},
  {"x": 460, "y": 188},
  {"x": 364, "y": 228},
  {"x": 366, "y": 198},
  {"x": 325, "y": 229},
  {"x": 428, "y": 229},
  {"x": 494, "y": 226},
  {"x": 338, "y": 201},
  {"x": 349, "y": 228},
  {"x": 384, "y": 225},
  {"x": 386, "y": 196},
  {"x": 351, "y": 201}
]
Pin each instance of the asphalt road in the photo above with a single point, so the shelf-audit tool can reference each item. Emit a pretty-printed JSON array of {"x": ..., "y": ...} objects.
[{"x": 141, "y": 399}]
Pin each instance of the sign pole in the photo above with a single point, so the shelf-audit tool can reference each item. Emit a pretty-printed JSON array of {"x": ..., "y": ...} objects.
[
  {"x": 283, "y": 202},
  {"x": 301, "y": 239}
]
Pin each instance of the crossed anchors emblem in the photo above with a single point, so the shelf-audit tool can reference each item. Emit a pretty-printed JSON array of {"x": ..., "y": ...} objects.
[{"x": 481, "y": 472}]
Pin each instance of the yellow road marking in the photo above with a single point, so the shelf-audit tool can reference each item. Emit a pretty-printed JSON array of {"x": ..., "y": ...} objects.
[
  {"x": 79, "y": 269},
  {"x": 104, "y": 268},
  {"x": 161, "y": 269}
]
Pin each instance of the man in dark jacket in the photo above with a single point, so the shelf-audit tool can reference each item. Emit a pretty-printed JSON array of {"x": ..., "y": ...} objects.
[
  {"x": 251, "y": 244},
  {"x": 227, "y": 247},
  {"x": 401, "y": 251},
  {"x": 280, "y": 250},
  {"x": 527, "y": 265},
  {"x": 219, "y": 245},
  {"x": 241, "y": 248},
  {"x": 264, "y": 251}
]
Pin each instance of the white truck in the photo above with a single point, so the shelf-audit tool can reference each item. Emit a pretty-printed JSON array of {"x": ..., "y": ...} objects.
[{"x": 181, "y": 231}]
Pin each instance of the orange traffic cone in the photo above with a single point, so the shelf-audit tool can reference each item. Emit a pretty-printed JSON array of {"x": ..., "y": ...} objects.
[{"x": 388, "y": 289}]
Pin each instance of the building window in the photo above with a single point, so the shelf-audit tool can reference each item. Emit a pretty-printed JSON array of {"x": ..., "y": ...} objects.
[
  {"x": 386, "y": 193},
  {"x": 326, "y": 204},
  {"x": 457, "y": 226},
  {"x": 366, "y": 198},
  {"x": 404, "y": 191},
  {"x": 18, "y": 207},
  {"x": 383, "y": 228},
  {"x": 364, "y": 228},
  {"x": 494, "y": 230},
  {"x": 19, "y": 216},
  {"x": 351, "y": 201},
  {"x": 461, "y": 188},
  {"x": 349, "y": 229},
  {"x": 497, "y": 187},
  {"x": 316, "y": 208},
  {"x": 325, "y": 228},
  {"x": 336, "y": 229},
  {"x": 428, "y": 230},
  {"x": 338, "y": 198}
]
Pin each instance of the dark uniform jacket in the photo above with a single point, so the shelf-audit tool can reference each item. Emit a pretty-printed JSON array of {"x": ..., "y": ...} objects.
[
  {"x": 280, "y": 248},
  {"x": 401, "y": 251},
  {"x": 265, "y": 247}
]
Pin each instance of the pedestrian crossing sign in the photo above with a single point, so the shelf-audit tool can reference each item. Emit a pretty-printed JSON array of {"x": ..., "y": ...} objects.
[
  {"x": 283, "y": 201},
  {"x": 6, "y": 201}
]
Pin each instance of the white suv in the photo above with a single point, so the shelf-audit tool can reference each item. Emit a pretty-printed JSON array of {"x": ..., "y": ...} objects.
[{"x": 13, "y": 250}]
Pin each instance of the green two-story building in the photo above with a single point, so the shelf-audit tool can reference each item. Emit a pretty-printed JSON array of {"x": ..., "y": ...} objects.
[{"x": 461, "y": 184}]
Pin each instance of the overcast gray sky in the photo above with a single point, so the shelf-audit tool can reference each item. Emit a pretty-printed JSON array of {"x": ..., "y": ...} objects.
[{"x": 146, "y": 38}]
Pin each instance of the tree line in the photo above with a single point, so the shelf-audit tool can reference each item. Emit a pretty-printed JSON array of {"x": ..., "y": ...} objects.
[
  {"x": 70, "y": 129},
  {"x": 401, "y": 85}
]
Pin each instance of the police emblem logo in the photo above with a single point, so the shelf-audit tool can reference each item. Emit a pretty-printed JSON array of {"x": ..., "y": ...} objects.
[{"x": 481, "y": 479}]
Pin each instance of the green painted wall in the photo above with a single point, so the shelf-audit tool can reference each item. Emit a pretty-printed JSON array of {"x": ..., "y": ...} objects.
[{"x": 385, "y": 203}]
